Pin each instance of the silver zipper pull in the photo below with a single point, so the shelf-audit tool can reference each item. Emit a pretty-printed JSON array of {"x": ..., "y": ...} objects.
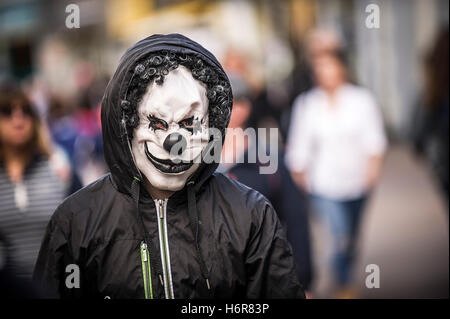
[
  {"x": 144, "y": 251},
  {"x": 161, "y": 209}
]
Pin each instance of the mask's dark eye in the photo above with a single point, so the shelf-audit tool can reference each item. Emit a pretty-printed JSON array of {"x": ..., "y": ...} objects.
[
  {"x": 156, "y": 123},
  {"x": 187, "y": 123}
]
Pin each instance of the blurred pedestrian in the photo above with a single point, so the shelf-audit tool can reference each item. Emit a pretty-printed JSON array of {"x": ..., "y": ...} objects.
[
  {"x": 335, "y": 149},
  {"x": 430, "y": 130},
  {"x": 288, "y": 200},
  {"x": 87, "y": 147},
  {"x": 30, "y": 187}
]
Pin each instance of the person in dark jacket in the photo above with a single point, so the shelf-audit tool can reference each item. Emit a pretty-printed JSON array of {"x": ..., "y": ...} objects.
[
  {"x": 289, "y": 201},
  {"x": 162, "y": 223}
]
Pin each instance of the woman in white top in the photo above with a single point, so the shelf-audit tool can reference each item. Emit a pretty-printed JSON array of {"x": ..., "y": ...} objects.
[{"x": 335, "y": 147}]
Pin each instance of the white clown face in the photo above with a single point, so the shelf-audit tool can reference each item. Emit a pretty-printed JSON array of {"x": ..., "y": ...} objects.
[{"x": 173, "y": 130}]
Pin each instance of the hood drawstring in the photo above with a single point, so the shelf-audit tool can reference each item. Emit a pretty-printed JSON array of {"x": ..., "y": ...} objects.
[
  {"x": 135, "y": 193},
  {"x": 194, "y": 223}
]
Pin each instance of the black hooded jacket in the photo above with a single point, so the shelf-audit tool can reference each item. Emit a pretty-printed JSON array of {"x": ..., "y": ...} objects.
[{"x": 215, "y": 238}]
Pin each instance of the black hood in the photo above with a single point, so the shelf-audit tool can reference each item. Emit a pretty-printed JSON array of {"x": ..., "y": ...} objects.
[{"x": 117, "y": 151}]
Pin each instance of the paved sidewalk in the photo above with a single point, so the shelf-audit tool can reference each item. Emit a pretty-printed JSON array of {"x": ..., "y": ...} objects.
[{"x": 404, "y": 231}]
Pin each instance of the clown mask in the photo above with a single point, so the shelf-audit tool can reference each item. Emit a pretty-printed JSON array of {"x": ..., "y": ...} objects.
[{"x": 173, "y": 130}]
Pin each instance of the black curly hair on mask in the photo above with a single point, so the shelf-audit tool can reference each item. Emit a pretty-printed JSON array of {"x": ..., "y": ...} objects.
[{"x": 156, "y": 66}]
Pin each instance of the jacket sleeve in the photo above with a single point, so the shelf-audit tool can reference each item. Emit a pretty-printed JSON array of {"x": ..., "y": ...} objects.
[
  {"x": 54, "y": 255},
  {"x": 270, "y": 267}
]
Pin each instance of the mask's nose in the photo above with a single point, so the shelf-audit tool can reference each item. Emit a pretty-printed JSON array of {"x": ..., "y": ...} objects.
[{"x": 172, "y": 139}]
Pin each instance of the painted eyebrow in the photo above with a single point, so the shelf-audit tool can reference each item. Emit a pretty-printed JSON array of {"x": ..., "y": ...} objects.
[
  {"x": 190, "y": 112},
  {"x": 160, "y": 110}
]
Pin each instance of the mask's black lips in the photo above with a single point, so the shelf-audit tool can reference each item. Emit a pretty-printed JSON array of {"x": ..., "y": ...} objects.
[{"x": 166, "y": 165}]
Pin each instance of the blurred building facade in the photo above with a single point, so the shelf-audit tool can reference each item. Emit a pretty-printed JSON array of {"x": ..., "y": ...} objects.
[{"x": 34, "y": 40}]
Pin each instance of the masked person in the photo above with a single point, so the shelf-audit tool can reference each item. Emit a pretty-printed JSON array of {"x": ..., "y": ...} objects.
[{"x": 162, "y": 224}]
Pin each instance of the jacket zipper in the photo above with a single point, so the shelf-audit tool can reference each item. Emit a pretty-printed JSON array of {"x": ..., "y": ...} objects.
[
  {"x": 161, "y": 206},
  {"x": 146, "y": 271}
]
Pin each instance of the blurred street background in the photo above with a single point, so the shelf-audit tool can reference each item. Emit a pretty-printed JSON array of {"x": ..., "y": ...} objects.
[{"x": 268, "y": 45}]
